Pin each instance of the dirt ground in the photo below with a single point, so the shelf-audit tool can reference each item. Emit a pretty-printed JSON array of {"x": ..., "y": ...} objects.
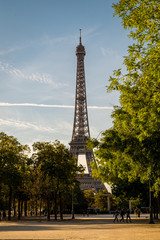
[{"x": 92, "y": 228}]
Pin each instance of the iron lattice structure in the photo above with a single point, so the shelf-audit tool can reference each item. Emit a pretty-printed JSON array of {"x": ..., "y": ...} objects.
[{"x": 81, "y": 131}]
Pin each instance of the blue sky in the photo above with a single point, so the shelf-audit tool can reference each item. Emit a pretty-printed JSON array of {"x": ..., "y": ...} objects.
[{"x": 38, "y": 65}]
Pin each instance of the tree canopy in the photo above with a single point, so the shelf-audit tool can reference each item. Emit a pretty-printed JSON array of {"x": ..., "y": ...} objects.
[
  {"x": 44, "y": 181},
  {"x": 130, "y": 149},
  {"x": 58, "y": 168},
  {"x": 13, "y": 168}
]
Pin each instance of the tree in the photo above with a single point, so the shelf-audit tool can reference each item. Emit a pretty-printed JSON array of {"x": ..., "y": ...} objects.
[
  {"x": 139, "y": 115},
  {"x": 80, "y": 203},
  {"x": 12, "y": 165},
  {"x": 89, "y": 195},
  {"x": 130, "y": 150},
  {"x": 100, "y": 200},
  {"x": 59, "y": 170}
]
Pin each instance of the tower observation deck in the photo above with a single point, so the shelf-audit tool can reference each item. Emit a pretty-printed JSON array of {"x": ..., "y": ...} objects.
[{"x": 81, "y": 132}]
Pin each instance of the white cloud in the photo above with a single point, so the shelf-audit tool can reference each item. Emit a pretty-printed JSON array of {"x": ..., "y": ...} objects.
[
  {"x": 25, "y": 125},
  {"x": 8, "y": 51},
  {"x": 33, "y": 105},
  {"x": 97, "y": 107},
  {"x": 36, "y": 77},
  {"x": 3, "y": 104}
]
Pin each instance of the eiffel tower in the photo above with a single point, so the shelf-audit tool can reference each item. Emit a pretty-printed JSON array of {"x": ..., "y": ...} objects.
[{"x": 81, "y": 131}]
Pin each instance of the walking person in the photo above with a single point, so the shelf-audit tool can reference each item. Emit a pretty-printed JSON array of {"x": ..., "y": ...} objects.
[
  {"x": 116, "y": 215},
  {"x": 122, "y": 213},
  {"x": 135, "y": 211},
  {"x": 128, "y": 216},
  {"x": 139, "y": 213}
]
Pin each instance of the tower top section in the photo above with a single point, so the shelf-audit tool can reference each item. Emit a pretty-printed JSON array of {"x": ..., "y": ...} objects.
[{"x": 80, "y": 48}]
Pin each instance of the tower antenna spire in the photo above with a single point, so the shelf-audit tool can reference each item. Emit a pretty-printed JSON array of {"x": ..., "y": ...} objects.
[{"x": 80, "y": 36}]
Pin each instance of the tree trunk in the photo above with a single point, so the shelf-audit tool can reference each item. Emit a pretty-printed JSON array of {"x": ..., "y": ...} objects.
[
  {"x": 61, "y": 206},
  {"x": 14, "y": 207},
  {"x": 36, "y": 208},
  {"x": 19, "y": 208},
  {"x": 55, "y": 206},
  {"x": 40, "y": 206},
  {"x": 25, "y": 208},
  {"x": 10, "y": 203},
  {"x": 0, "y": 195},
  {"x": 48, "y": 208},
  {"x": 157, "y": 210},
  {"x": 150, "y": 205},
  {"x": 158, "y": 205}
]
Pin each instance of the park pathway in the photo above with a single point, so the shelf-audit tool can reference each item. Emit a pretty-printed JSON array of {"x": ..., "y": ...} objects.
[{"x": 88, "y": 228}]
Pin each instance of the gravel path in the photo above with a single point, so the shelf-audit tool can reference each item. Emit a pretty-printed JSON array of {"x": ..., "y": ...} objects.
[{"x": 89, "y": 228}]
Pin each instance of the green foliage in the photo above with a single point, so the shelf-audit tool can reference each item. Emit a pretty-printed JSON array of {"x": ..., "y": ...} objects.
[
  {"x": 13, "y": 169},
  {"x": 45, "y": 180},
  {"x": 56, "y": 162},
  {"x": 97, "y": 200},
  {"x": 100, "y": 200},
  {"x": 124, "y": 191},
  {"x": 89, "y": 195},
  {"x": 80, "y": 200},
  {"x": 12, "y": 160},
  {"x": 58, "y": 171},
  {"x": 129, "y": 151}
]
